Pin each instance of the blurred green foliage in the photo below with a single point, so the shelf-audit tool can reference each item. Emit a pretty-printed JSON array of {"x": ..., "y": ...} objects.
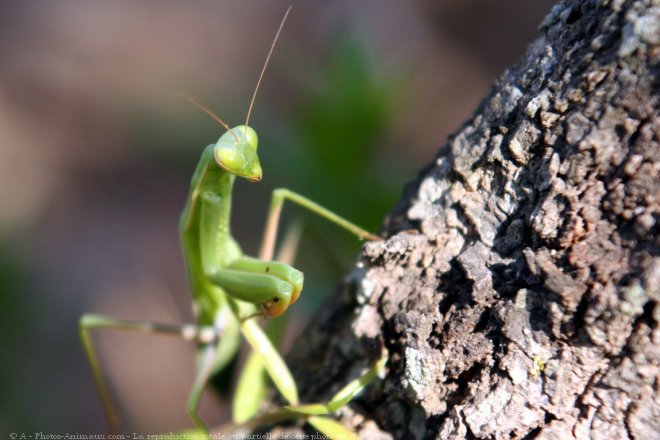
[
  {"x": 341, "y": 123},
  {"x": 15, "y": 317}
]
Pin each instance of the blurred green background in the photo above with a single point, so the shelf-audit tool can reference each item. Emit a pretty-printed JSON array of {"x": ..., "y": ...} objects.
[{"x": 96, "y": 154}]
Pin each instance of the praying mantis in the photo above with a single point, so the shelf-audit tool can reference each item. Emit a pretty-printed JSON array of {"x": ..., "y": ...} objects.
[{"x": 231, "y": 290}]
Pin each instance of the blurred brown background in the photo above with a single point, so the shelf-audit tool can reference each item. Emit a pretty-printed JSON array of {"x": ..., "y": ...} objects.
[{"x": 96, "y": 154}]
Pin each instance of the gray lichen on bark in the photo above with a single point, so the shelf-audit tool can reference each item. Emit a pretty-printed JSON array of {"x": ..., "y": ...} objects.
[{"x": 517, "y": 290}]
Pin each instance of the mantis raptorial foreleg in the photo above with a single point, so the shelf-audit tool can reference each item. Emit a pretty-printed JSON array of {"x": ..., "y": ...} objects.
[{"x": 253, "y": 384}]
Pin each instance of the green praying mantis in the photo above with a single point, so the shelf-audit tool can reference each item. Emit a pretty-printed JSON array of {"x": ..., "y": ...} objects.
[{"x": 230, "y": 290}]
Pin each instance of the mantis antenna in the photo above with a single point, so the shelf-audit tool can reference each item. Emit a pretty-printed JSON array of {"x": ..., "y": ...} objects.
[
  {"x": 205, "y": 109},
  {"x": 263, "y": 70}
]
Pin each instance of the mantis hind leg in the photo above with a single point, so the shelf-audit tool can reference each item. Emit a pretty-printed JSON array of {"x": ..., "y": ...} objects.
[
  {"x": 315, "y": 414},
  {"x": 88, "y": 322},
  {"x": 343, "y": 396}
]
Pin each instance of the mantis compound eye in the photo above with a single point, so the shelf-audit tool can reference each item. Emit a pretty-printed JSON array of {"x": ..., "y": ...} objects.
[
  {"x": 249, "y": 135},
  {"x": 229, "y": 159}
]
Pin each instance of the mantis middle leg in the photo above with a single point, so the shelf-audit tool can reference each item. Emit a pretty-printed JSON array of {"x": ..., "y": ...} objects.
[
  {"x": 207, "y": 336},
  {"x": 277, "y": 201}
]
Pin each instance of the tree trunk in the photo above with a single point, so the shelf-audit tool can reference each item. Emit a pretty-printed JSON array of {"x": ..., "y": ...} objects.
[{"x": 516, "y": 293}]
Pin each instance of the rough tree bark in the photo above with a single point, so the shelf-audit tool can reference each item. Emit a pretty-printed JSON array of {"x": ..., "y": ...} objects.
[{"x": 517, "y": 290}]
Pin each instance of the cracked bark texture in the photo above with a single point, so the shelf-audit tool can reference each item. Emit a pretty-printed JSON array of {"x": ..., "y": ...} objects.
[{"x": 516, "y": 293}]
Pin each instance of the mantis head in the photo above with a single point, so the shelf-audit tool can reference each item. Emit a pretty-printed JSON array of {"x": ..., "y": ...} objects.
[
  {"x": 236, "y": 150},
  {"x": 236, "y": 153}
]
